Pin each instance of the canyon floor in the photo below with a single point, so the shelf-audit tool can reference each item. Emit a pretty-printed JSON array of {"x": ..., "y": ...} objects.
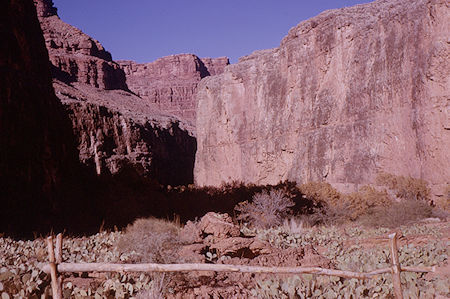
[{"x": 215, "y": 239}]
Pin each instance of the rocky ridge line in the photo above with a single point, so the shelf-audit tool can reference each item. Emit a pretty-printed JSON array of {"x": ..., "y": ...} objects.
[{"x": 77, "y": 57}]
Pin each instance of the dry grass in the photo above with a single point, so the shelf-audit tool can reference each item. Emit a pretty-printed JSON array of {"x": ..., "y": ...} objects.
[
  {"x": 156, "y": 290},
  {"x": 397, "y": 214},
  {"x": 150, "y": 240},
  {"x": 267, "y": 209},
  {"x": 294, "y": 225}
]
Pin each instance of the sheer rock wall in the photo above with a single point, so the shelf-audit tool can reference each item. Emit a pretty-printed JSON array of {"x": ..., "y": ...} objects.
[{"x": 347, "y": 94}]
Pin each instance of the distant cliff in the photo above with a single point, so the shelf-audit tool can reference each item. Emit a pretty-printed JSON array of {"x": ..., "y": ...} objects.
[
  {"x": 347, "y": 94},
  {"x": 170, "y": 83}
]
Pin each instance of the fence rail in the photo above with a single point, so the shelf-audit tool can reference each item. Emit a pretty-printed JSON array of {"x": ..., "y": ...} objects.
[{"x": 56, "y": 266}]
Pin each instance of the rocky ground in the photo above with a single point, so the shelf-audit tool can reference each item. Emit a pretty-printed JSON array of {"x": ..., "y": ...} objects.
[{"x": 214, "y": 239}]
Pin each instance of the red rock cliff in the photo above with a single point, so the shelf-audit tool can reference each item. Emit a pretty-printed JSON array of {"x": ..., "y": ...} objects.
[
  {"x": 114, "y": 128},
  {"x": 77, "y": 57},
  {"x": 348, "y": 93},
  {"x": 170, "y": 83}
]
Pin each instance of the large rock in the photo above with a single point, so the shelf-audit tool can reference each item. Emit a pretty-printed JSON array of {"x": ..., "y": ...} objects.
[
  {"x": 37, "y": 148},
  {"x": 171, "y": 82},
  {"x": 347, "y": 94},
  {"x": 115, "y": 128},
  {"x": 77, "y": 57}
]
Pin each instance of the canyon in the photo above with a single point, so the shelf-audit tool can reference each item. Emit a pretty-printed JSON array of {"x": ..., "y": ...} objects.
[
  {"x": 347, "y": 94},
  {"x": 126, "y": 114}
]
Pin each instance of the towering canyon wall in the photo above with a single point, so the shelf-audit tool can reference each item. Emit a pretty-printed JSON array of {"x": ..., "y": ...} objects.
[
  {"x": 77, "y": 57},
  {"x": 347, "y": 94},
  {"x": 37, "y": 148},
  {"x": 171, "y": 82},
  {"x": 115, "y": 128}
]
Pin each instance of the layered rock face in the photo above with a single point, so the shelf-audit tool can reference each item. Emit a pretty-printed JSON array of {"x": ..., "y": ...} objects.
[
  {"x": 115, "y": 128},
  {"x": 170, "y": 82},
  {"x": 76, "y": 57},
  {"x": 347, "y": 94},
  {"x": 38, "y": 151}
]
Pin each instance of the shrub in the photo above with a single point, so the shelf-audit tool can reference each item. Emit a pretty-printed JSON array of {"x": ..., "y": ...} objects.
[
  {"x": 359, "y": 203},
  {"x": 320, "y": 193},
  {"x": 443, "y": 202},
  {"x": 331, "y": 207},
  {"x": 150, "y": 240},
  {"x": 331, "y": 214},
  {"x": 405, "y": 187},
  {"x": 266, "y": 210}
]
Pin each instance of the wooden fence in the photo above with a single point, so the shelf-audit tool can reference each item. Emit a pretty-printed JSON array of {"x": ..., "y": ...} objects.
[{"x": 56, "y": 266}]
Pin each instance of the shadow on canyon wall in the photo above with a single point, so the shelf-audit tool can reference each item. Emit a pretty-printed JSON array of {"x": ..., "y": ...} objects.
[{"x": 43, "y": 185}]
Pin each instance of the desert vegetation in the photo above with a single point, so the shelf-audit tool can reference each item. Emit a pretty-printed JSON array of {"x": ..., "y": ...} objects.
[{"x": 284, "y": 225}]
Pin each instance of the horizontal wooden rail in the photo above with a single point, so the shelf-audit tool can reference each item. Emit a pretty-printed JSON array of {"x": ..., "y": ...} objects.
[
  {"x": 106, "y": 267},
  {"x": 56, "y": 266}
]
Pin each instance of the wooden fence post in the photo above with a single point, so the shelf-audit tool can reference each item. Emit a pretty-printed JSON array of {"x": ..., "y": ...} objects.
[
  {"x": 396, "y": 270},
  {"x": 56, "y": 287},
  {"x": 58, "y": 249}
]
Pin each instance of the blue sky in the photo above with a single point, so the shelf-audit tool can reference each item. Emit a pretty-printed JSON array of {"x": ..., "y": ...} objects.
[{"x": 144, "y": 30}]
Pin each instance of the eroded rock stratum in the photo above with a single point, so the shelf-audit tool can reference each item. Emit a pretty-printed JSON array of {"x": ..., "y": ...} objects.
[
  {"x": 347, "y": 94},
  {"x": 114, "y": 127},
  {"x": 170, "y": 82}
]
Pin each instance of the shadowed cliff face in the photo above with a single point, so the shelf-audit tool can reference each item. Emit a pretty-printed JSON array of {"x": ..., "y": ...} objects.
[
  {"x": 348, "y": 93},
  {"x": 114, "y": 127},
  {"x": 43, "y": 185},
  {"x": 37, "y": 148}
]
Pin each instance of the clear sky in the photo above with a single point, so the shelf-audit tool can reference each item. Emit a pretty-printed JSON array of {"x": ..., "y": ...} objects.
[{"x": 144, "y": 30}]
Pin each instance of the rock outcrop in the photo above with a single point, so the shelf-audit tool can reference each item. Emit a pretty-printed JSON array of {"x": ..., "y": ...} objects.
[
  {"x": 170, "y": 82},
  {"x": 115, "y": 128},
  {"x": 77, "y": 57},
  {"x": 38, "y": 150},
  {"x": 347, "y": 94}
]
